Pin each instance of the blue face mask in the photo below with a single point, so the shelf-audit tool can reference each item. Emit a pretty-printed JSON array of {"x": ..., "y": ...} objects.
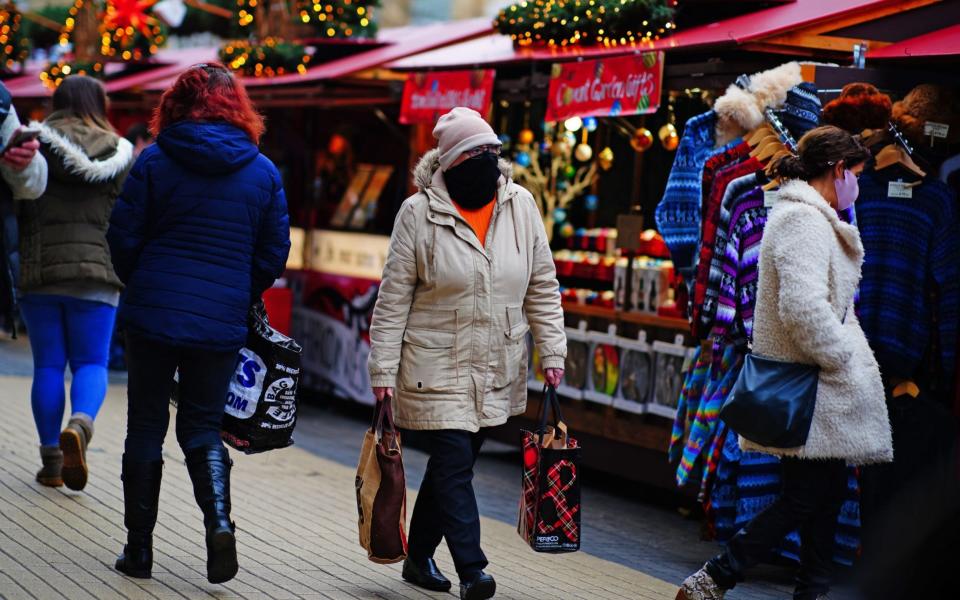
[{"x": 473, "y": 183}]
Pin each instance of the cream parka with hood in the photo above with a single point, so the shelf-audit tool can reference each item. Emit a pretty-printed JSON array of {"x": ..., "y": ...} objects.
[
  {"x": 449, "y": 327},
  {"x": 809, "y": 270}
]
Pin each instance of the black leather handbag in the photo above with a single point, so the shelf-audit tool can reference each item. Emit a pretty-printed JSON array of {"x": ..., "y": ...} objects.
[{"x": 772, "y": 402}]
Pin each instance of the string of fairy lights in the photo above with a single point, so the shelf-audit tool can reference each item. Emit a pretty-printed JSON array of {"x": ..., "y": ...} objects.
[
  {"x": 586, "y": 22},
  {"x": 14, "y": 46}
]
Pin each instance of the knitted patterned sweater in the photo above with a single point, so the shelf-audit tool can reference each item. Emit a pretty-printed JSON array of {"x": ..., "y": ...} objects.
[
  {"x": 714, "y": 184},
  {"x": 678, "y": 213},
  {"x": 910, "y": 292},
  {"x": 730, "y": 183}
]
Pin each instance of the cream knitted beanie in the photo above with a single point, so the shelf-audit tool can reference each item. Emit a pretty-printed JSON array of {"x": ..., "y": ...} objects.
[{"x": 460, "y": 130}]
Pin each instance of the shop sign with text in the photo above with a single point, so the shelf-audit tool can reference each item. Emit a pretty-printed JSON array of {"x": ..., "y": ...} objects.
[
  {"x": 427, "y": 96},
  {"x": 626, "y": 85}
]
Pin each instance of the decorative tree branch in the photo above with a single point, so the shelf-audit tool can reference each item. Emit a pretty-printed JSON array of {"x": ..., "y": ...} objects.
[{"x": 545, "y": 185}]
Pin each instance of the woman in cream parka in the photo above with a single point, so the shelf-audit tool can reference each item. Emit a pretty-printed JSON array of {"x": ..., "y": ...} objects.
[{"x": 468, "y": 274}]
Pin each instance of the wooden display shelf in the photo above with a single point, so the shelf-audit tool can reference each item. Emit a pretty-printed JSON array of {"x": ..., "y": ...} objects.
[{"x": 610, "y": 314}]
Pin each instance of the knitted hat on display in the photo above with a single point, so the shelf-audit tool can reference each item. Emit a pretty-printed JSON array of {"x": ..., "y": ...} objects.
[
  {"x": 925, "y": 103},
  {"x": 860, "y": 106},
  {"x": 460, "y": 130},
  {"x": 801, "y": 111}
]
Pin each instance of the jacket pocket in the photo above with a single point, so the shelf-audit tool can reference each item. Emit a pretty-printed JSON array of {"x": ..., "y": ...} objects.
[
  {"x": 513, "y": 355},
  {"x": 427, "y": 361}
]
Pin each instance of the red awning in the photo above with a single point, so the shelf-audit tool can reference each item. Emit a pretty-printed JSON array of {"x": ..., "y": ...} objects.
[
  {"x": 401, "y": 42},
  {"x": 940, "y": 43},
  {"x": 163, "y": 65},
  {"x": 498, "y": 49}
]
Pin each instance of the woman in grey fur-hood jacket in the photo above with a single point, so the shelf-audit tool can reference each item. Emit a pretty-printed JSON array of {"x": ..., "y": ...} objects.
[
  {"x": 70, "y": 290},
  {"x": 808, "y": 274}
]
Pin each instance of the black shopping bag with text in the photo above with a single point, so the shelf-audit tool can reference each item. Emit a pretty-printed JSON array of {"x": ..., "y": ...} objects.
[{"x": 261, "y": 404}]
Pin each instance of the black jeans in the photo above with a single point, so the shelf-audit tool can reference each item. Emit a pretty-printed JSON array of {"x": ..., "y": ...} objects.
[
  {"x": 204, "y": 379},
  {"x": 813, "y": 492},
  {"x": 446, "y": 506}
]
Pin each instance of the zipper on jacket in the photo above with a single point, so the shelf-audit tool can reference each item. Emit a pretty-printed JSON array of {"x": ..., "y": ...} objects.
[{"x": 456, "y": 342}]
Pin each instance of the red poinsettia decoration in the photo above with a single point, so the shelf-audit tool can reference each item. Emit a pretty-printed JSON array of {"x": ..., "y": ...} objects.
[{"x": 129, "y": 16}]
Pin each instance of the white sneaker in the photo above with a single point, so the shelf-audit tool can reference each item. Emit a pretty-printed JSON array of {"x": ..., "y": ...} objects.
[{"x": 700, "y": 586}]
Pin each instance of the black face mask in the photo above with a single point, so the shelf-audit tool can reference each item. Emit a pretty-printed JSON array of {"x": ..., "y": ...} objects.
[{"x": 473, "y": 183}]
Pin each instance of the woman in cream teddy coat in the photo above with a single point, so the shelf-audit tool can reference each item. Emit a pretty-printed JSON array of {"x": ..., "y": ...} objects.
[{"x": 809, "y": 270}]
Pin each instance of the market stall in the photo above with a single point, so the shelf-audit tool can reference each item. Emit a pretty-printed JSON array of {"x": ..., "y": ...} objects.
[{"x": 630, "y": 358}]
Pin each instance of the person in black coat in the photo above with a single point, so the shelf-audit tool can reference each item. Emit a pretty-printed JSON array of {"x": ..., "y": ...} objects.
[{"x": 199, "y": 233}]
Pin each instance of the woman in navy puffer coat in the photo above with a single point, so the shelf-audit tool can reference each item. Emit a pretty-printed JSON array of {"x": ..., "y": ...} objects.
[{"x": 199, "y": 233}]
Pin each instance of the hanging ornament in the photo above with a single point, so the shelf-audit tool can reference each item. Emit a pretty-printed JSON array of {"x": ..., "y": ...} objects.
[
  {"x": 605, "y": 158},
  {"x": 505, "y": 140},
  {"x": 570, "y": 138},
  {"x": 573, "y": 124},
  {"x": 590, "y": 123},
  {"x": 583, "y": 152},
  {"x": 569, "y": 172},
  {"x": 668, "y": 137},
  {"x": 642, "y": 139},
  {"x": 545, "y": 145},
  {"x": 525, "y": 137},
  {"x": 567, "y": 230},
  {"x": 523, "y": 159},
  {"x": 591, "y": 202},
  {"x": 560, "y": 215}
]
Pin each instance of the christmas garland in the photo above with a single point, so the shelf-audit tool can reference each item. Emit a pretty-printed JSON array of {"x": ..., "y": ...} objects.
[
  {"x": 586, "y": 22},
  {"x": 339, "y": 18},
  {"x": 54, "y": 73},
  {"x": 14, "y": 45},
  {"x": 268, "y": 58}
]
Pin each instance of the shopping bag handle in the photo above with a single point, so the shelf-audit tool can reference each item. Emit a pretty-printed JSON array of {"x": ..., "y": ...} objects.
[
  {"x": 550, "y": 399},
  {"x": 383, "y": 415}
]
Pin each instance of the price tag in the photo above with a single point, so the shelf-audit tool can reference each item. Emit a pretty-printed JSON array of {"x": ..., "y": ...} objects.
[
  {"x": 936, "y": 130},
  {"x": 899, "y": 189},
  {"x": 770, "y": 197}
]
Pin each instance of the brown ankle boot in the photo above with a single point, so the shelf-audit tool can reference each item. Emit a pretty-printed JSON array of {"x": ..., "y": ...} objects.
[
  {"x": 50, "y": 474},
  {"x": 73, "y": 443}
]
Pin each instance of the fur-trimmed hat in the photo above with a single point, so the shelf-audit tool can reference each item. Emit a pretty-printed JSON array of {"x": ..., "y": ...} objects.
[
  {"x": 860, "y": 106},
  {"x": 928, "y": 102}
]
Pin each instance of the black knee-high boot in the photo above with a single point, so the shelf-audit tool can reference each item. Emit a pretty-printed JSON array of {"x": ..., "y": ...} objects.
[
  {"x": 209, "y": 468},
  {"x": 141, "y": 499}
]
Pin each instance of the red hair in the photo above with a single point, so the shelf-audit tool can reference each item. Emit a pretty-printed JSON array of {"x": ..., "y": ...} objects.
[{"x": 208, "y": 92}]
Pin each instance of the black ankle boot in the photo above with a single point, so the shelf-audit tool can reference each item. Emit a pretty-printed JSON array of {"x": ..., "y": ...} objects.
[
  {"x": 141, "y": 499},
  {"x": 209, "y": 468}
]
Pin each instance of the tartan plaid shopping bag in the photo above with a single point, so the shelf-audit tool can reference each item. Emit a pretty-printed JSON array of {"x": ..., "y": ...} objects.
[{"x": 550, "y": 499}]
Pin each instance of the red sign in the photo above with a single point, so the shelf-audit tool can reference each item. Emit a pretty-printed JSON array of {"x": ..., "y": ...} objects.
[
  {"x": 626, "y": 85},
  {"x": 427, "y": 96}
]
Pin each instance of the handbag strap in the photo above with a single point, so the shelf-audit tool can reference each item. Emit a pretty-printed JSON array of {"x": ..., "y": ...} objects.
[{"x": 383, "y": 417}]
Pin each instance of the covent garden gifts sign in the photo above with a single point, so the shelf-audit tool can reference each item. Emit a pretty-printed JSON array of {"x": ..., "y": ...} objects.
[{"x": 624, "y": 85}]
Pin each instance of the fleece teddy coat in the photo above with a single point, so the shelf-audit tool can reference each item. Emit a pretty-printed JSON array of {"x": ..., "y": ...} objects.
[
  {"x": 809, "y": 269},
  {"x": 449, "y": 327}
]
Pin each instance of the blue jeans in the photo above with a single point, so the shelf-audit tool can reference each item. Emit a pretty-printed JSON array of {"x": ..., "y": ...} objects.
[
  {"x": 204, "y": 379},
  {"x": 66, "y": 330}
]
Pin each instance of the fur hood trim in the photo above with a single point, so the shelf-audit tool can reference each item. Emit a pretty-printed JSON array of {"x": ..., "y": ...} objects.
[
  {"x": 742, "y": 110},
  {"x": 76, "y": 160},
  {"x": 429, "y": 164},
  {"x": 803, "y": 193}
]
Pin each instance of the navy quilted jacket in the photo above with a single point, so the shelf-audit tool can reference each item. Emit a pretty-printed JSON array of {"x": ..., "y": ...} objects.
[{"x": 199, "y": 232}]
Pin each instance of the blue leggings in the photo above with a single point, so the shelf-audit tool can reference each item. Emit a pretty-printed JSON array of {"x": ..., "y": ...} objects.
[{"x": 66, "y": 330}]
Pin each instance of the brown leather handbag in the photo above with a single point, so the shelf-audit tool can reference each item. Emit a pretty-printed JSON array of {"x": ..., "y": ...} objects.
[{"x": 382, "y": 489}]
